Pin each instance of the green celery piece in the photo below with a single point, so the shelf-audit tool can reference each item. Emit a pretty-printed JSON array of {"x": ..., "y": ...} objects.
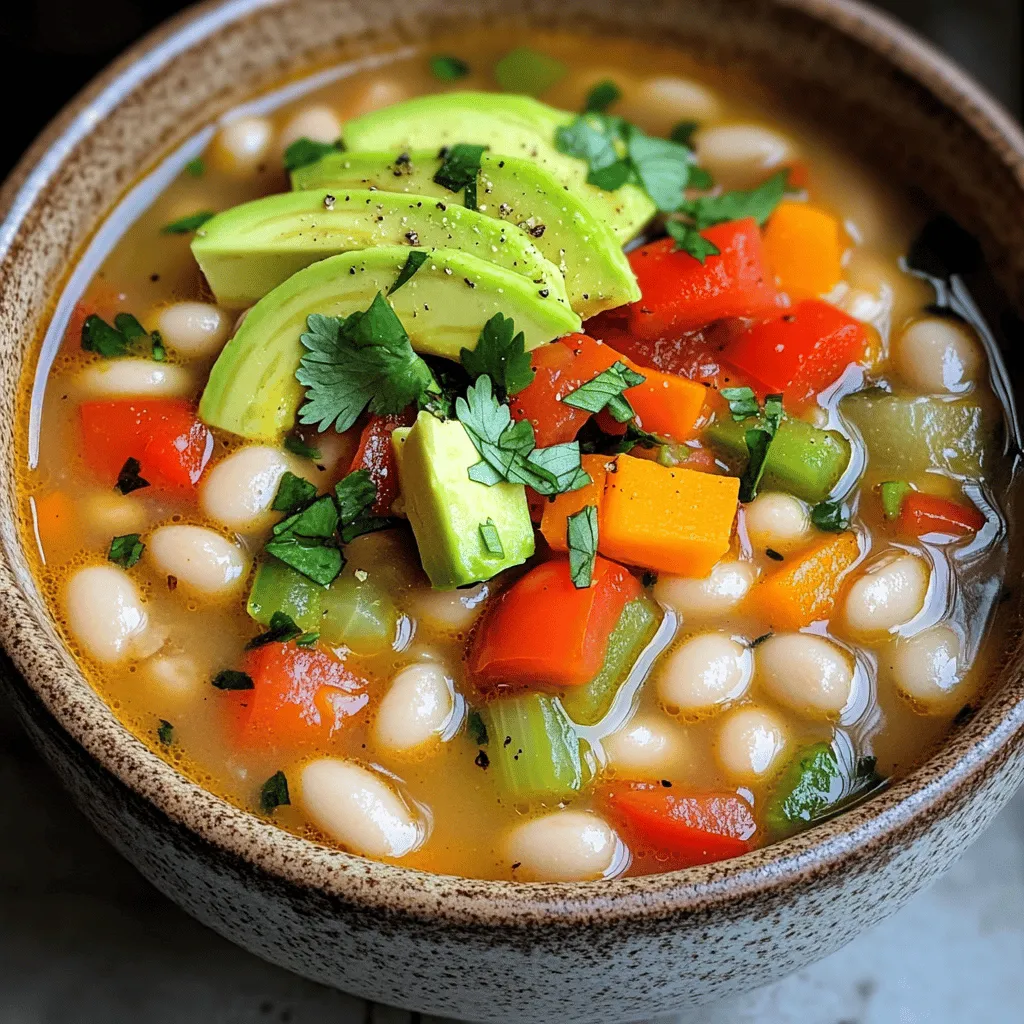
[
  {"x": 802, "y": 459},
  {"x": 358, "y": 614},
  {"x": 587, "y": 705},
  {"x": 279, "y": 588},
  {"x": 906, "y": 436},
  {"x": 534, "y": 748}
]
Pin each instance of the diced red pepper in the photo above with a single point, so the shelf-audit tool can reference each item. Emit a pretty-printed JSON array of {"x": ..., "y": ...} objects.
[
  {"x": 929, "y": 513},
  {"x": 681, "y": 294},
  {"x": 799, "y": 354},
  {"x": 544, "y": 632},
  {"x": 555, "y": 375},
  {"x": 172, "y": 446},
  {"x": 300, "y": 696},
  {"x": 376, "y": 455},
  {"x": 692, "y": 355}
]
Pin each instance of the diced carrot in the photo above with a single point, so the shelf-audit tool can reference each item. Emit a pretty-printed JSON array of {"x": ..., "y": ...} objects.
[
  {"x": 55, "y": 521},
  {"x": 803, "y": 247},
  {"x": 922, "y": 513},
  {"x": 670, "y": 520},
  {"x": 554, "y": 522},
  {"x": 806, "y": 589},
  {"x": 799, "y": 174},
  {"x": 377, "y": 456},
  {"x": 555, "y": 375}
]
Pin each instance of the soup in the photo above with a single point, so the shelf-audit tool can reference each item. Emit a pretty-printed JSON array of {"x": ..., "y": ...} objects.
[{"x": 564, "y": 476}]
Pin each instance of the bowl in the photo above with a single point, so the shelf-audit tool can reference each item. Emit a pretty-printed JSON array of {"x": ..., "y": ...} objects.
[{"x": 484, "y": 950}]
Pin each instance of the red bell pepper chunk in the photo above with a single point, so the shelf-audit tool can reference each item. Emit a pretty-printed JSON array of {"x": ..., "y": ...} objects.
[
  {"x": 544, "y": 632},
  {"x": 690, "y": 828},
  {"x": 300, "y": 696},
  {"x": 555, "y": 375},
  {"x": 693, "y": 354},
  {"x": 681, "y": 294},
  {"x": 171, "y": 445},
  {"x": 800, "y": 354},
  {"x": 376, "y": 455},
  {"x": 929, "y": 513}
]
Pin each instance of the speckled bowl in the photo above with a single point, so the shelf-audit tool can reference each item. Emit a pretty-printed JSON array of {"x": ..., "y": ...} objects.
[{"x": 473, "y": 949}]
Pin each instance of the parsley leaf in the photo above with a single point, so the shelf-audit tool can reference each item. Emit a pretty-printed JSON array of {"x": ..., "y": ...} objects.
[
  {"x": 165, "y": 732},
  {"x": 128, "y": 479},
  {"x": 501, "y": 354},
  {"x": 491, "y": 539},
  {"x": 231, "y": 679},
  {"x": 830, "y": 516},
  {"x": 300, "y": 448},
  {"x": 602, "y": 96},
  {"x": 606, "y": 391},
  {"x": 448, "y": 69},
  {"x": 319, "y": 519},
  {"x": 186, "y": 225},
  {"x": 274, "y": 793},
  {"x": 688, "y": 239},
  {"x": 196, "y": 168},
  {"x": 758, "y": 203},
  {"x": 527, "y": 71},
  {"x": 581, "y": 538},
  {"x": 293, "y": 493},
  {"x": 126, "y": 550},
  {"x": 303, "y": 152},
  {"x": 759, "y": 440},
  {"x": 742, "y": 402},
  {"x": 893, "y": 492},
  {"x": 413, "y": 262},
  {"x": 310, "y": 556},
  {"x": 458, "y": 171},
  {"x": 361, "y": 360},
  {"x": 282, "y": 629}
]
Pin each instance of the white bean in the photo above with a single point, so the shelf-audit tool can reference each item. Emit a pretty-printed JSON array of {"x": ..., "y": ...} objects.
[
  {"x": 240, "y": 489},
  {"x": 373, "y": 95},
  {"x": 416, "y": 709},
  {"x": 740, "y": 155},
  {"x": 177, "y": 676},
  {"x": 645, "y": 748},
  {"x": 198, "y": 557},
  {"x": 196, "y": 330},
  {"x": 110, "y": 514},
  {"x": 359, "y": 809},
  {"x": 105, "y": 612},
  {"x": 242, "y": 145},
  {"x": 712, "y": 597},
  {"x": 663, "y": 101},
  {"x": 564, "y": 846},
  {"x": 703, "y": 672},
  {"x": 926, "y": 667},
  {"x": 806, "y": 672},
  {"x": 889, "y": 593},
  {"x": 750, "y": 743},
  {"x": 320, "y": 124},
  {"x": 449, "y": 610},
  {"x": 777, "y": 521},
  {"x": 142, "y": 378},
  {"x": 936, "y": 355}
]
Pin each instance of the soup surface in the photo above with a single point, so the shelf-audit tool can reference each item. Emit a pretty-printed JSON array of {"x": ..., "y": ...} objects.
[{"x": 566, "y": 477}]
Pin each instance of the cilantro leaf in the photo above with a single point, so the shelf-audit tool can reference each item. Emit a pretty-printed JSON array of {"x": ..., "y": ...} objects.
[
  {"x": 594, "y": 441},
  {"x": 606, "y": 391},
  {"x": 362, "y": 360},
  {"x": 476, "y": 728},
  {"x": 293, "y": 493},
  {"x": 893, "y": 492},
  {"x": 129, "y": 326},
  {"x": 282, "y": 628},
  {"x": 303, "y": 152},
  {"x": 158, "y": 350},
  {"x": 662, "y": 167},
  {"x": 355, "y": 493},
  {"x": 413, "y": 262},
  {"x": 128, "y": 479},
  {"x": 274, "y": 793},
  {"x": 165, "y": 732},
  {"x": 759, "y": 203},
  {"x": 186, "y": 225},
  {"x": 126, "y": 550},
  {"x": 759, "y": 440},
  {"x": 592, "y": 138},
  {"x": 320, "y": 519},
  {"x": 683, "y": 133},
  {"x": 491, "y": 539},
  {"x": 231, "y": 679},
  {"x": 308, "y": 555},
  {"x": 307, "y": 640},
  {"x": 527, "y": 71},
  {"x": 581, "y": 538},
  {"x": 99, "y": 337},
  {"x": 304, "y": 451},
  {"x": 196, "y": 168},
  {"x": 559, "y": 463},
  {"x": 830, "y": 516},
  {"x": 458, "y": 171},
  {"x": 688, "y": 239},
  {"x": 602, "y": 96},
  {"x": 742, "y": 402},
  {"x": 501, "y": 354},
  {"x": 448, "y": 69}
]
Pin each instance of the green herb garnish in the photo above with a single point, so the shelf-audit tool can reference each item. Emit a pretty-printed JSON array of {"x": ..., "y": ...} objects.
[
  {"x": 830, "y": 516},
  {"x": 413, "y": 262},
  {"x": 602, "y": 96},
  {"x": 126, "y": 550},
  {"x": 759, "y": 440},
  {"x": 282, "y": 628},
  {"x": 491, "y": 539},
  {"x": 128, "y": 479},
  {"x": 459, "y": 167},
  {"x": 689, "y": 240},
  {"x": 759, "y": 203},
  {"x": 315, "y": 559},
  {"x": 742, "y": 402},
  {"x": 165, "y": 732},
  {"x": 159, "y": 350},
  {"x": 356, "y": 495},
  {"x": 605, "y": 391},
  {"x": 106, "y": 341},
  {"x": 581, "y": 537},
  {"x": 893, "y": 492},
  {"x": 307, "y": 640},
  {"x": 683, "y": 133},
  {"x": 476, "y": 728},
  {"x": 501, "y": 354},
  {"x": 196, "y": 168},
  {"x": 300, "y": 448},
  {"x": 448, "y": 69},
  {"x": 186, "y": 225},
  {"x": 293, "y": 493},
  {"x": 303, "y": 152},
  {"x": 274, "y": 793},
  {"x": 527, "y": 71},
  {"x": 319, "y": 520},
  {"x": 232, "y": 679}
]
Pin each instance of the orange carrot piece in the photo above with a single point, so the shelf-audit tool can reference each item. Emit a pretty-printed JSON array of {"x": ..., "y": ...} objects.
[
  {"x": 670, "y": 520},
  {"x": 806, "y": 589},
  {"x": 55, "y": 520},
  {"x": 554, "y": 521},
  {"x": 803, "y": 247}
]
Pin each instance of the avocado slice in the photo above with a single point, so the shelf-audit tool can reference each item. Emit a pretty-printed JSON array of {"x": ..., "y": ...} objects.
[
  {"x": 511, "y": 125},
  {"x": 252, "y": 390},
  {"x": 597, "y": 274},
  {"x": 250, "y": 249},
  {"x": 446, "y": 508}
]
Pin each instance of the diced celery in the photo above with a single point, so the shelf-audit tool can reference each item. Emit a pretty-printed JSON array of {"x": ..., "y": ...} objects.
[
  {"x": 907, "y": 436},
  {"x": 803, "y": 460},
  {"x": 279, "y": 588},
  {"x": 893, "y": 492},
  {"x": 587, "y": 705},
  {"x": 533, "y": 747},
  {"x": 359, "y": 615}
]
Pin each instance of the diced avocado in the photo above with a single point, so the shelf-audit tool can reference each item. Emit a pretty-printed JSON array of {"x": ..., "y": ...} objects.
[
  {"x": 803, "y": 460},
  {"x": 252, "y": 390},
  {"x": 907, "y": 436},
  {"x": 250, "y": 249},
  {"x": 516, "y": 190},
  {"x": 509, "y": 125},
  {"x": 446, "y": 508},
  {"x": 279, "y": 588}
]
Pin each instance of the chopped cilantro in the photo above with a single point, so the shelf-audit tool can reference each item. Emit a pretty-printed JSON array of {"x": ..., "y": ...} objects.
[
  {"x": 293, "y": 493},
  {"x": 759, "y": 440},
  {"x": 317, "y": 520},
  {"x": 830, "y": 516},
  {"x": 165, "y": 732},
  {"x": 307, "y": 640},
  {"x": 159, "y": 350},
  {"x": 491, "y": 539},
  {"x": 602, "y": 96},
  {"x": 300, "y": 448},
  {"x": 759, "y": 203},
  {"x": 662, "y": 167},
  {"x": 126, "y": 550},
  {"x": 448, "y": 69},
  {"x": 196, "y": 168},
  {"x": 303, "y": 152},
  {"x": 99, "y": 337},
  {"x": 606, "y": 391},
  {"x": 128, "y": 479},
  {"x": 282, "y": 628},
  {"x": 315, "y": 559},
  {"x": 186, "y": 225},
  {"x": 581, "y": 538},
  {"x": 458, "y": 171},
  {"x": 413, "y": 262},
  {"x": 232, "y": 679},
  {"x": 596, "y": 442},
  {"x": 501, "y": 354},
  {"x": 355, "y": 493},
  {"x": 527, "y": 71},
  {"x": 129, "y": 326},
  {"x": 689, "y": 240},
  {"x": 742, "y": 402},
  {"x": 683, "y": 133},
  {"x": 893, "y": 492},
  {"x": 274, "y": 793},
  {"x": 477, "y": 729}
]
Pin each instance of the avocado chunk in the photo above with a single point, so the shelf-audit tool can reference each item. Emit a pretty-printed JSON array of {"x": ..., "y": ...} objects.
[
  {"x": 250, "y": 249},
  {"x": 446, "y": 509},
  {"x": 252, "y": 390},
  {"x": 515, "y": 190},
  {"x": 510, "y": 125}
]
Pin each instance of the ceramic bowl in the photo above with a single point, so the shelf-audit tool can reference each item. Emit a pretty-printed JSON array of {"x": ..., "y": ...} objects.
[{"x": 476, "y": 949}]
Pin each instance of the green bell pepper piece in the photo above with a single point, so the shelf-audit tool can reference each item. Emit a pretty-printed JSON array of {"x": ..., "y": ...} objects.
[{"x": 279, "y": 588}]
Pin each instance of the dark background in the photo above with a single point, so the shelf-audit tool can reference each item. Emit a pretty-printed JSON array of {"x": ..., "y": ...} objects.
[{"x": 50, "y": 48}]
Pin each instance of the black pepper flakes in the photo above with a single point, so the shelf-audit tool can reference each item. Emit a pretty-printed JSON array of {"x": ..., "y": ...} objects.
[
  {"x": 412, "y": 238},
  {"x": 538, "y": 230},
  {"x": 172, "y": 582},
  {"x": 544, "y": 293},
  {"x": 329, "y": 201},
  {"x": 472, "y": 284},
  {"x": 666, "y": 783},
  {"x": 774, "y": 555},
  {"x": 441, "y": 207},
  {"x": 482, "y": 760}
]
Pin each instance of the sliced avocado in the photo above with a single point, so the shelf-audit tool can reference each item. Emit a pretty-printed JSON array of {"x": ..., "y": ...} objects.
[
  {"x": 510, "y": 125},
  {"x": 597, "y": 274},
  {"x": 252, "y": 390},
  {"x": 250, "y": 249},
  {"x": 446, "y": 509}
]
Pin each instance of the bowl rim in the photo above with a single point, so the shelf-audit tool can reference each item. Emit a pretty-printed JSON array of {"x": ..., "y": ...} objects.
[{"x": 967, "y": 756}]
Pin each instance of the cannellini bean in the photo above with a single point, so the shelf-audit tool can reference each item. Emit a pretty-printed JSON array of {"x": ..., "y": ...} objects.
[
  {"x": 240, "y": 489},
  {"x": 889, "y": 593},
  {"x": 359, "y": 809},
  {"x": 777, "y": 521},
  {"x": 806, "y": 672},
  {"x": 937, "y": 355},
  {"x": 196, "y": 330},
  {"x": 926, "y": 667},
  {"x": 712, "y": 597},
  {"x": 416, "y": 709},
  {"x": 663, "y": 101},
  {"x": 645, "y": 748},
  {"x": 319, "y": 123},
  {"x": 111, "y": 514},
  {"x": 452, "y": 610},
  {"x": 105, "y": 612},
  {"x": 242, "y": 145},
  {"x": 564, "y": 846},
  {"x": 739, "y": 155},
  {"x": 198, "y": 557},
  {"x": 705, "y": 671},
  {"x": 120, "y": 378},
  {"x": 372, "y": 95},
  {"x": 868, "y": 307},
  {"x": 177, "y": 676},
  {"x": 750, "y": 743}
]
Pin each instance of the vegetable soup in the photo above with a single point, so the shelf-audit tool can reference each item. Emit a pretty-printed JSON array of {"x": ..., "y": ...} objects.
[{"x": 509, "y": 463}]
